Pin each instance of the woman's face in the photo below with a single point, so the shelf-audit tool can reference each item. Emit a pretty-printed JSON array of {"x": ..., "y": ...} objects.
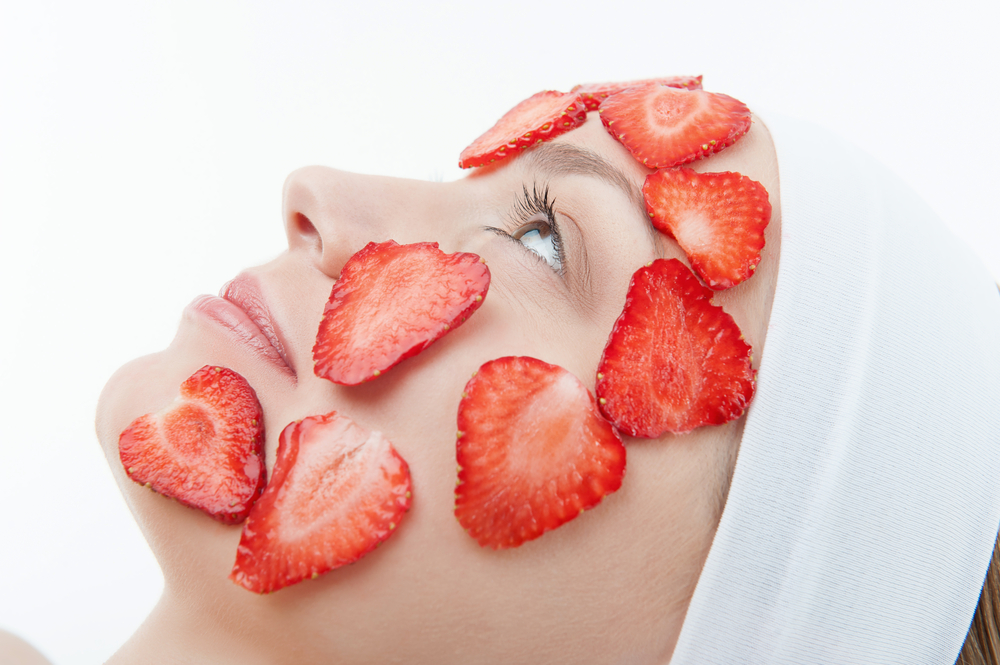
[{"x": 610, "y": 586}]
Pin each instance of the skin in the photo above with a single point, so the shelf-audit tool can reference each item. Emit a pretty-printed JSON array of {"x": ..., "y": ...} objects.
[
  {"x": 16, "y": 651},
  {"x": 609, "y": 587}
]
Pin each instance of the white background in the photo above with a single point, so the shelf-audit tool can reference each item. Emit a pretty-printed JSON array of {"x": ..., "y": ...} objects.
[{"x": 143, "y": 148}]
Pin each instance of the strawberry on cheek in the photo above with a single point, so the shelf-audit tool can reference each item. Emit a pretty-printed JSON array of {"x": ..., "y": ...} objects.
[{"x": 391, "y": 302}]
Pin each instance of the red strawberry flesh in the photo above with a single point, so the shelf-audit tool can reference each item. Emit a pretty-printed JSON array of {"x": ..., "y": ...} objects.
[
  {"x": 674, "y": 361},
  {"x": 595, "y": 93},
  {"x": 337, "y": 491},
  {"x": 390, "y": 303},
  {"x": 206, "y": 450},
  {"x": 533, "y": 452},
  {"x": 541, "y": 117},
  {"x": 718, "y": 219},
  {"x": 663, "y": 126}
]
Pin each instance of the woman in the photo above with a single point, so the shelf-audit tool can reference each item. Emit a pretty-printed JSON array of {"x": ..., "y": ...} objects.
[{"x": 805, "y": 564}]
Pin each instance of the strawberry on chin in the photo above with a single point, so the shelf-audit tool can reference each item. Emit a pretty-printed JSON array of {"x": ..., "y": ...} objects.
[
  {"x": 337, "y": 492},
  {"x": 206, "y": 450}
]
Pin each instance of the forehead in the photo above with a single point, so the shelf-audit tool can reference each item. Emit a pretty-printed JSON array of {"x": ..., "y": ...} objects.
[
  {"x": 589, "y": 150},
  {"x": 585, "y": 151},
  {"x": 595, "y": 181}
]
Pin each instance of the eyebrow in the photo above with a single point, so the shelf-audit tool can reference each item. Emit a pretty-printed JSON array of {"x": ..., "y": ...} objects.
[{"x": 561, "y": 159}]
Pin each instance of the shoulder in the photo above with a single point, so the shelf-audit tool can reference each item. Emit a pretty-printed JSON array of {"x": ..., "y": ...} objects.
[{"x": 15, "y": 651}]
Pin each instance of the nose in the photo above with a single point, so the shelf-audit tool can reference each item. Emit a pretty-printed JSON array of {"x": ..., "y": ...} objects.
[{"x": 329, "y": 214}]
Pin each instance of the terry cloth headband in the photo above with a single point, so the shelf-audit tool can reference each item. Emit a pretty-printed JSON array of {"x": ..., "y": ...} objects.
[{"x": 866, "y": 496}]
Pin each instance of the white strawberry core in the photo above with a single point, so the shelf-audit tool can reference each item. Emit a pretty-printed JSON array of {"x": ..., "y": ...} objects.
[
  {"x": 333, "y": 478},
  {"x": 552, "y": 426},
  {"x": 696, "y": 232},
  {"x": 669, "y": 110}
]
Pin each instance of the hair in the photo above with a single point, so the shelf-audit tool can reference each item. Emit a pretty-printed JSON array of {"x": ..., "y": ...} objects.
[{"x": 982, "y": 644}]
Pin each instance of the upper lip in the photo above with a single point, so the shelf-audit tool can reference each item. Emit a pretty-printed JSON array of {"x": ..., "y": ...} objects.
[{"x": 244, "y": 291}]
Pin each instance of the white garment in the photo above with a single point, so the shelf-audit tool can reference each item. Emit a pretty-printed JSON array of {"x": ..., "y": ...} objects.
[{"x": 866, "y": 496}]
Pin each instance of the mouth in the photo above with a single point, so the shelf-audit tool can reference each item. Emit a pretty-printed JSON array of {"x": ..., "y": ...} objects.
[{"x": 240, "y": 309}]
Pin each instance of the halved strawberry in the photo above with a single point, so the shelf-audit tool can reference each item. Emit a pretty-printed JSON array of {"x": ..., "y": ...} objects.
[
  {"x": 533, "y": 452},
  {"x": 718, "y": 219},
  {"x": 337, "y": 491},
  {"x": 391, "y": 302},
  {"x": 595, "y": 93},
  {"x": 541, "y": 117},
  {"x": 206, "y": 449},
  {"x": 663, "y": 126},
  {"x": 674, "y": 361}
]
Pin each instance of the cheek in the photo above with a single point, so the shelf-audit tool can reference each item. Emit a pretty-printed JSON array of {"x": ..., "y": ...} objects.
[
  {"x": 526, "y": 318},
  {"x": 614, "y": 580}
]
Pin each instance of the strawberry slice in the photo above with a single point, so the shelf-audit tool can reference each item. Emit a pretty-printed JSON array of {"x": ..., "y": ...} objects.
[
  {"x": 391, "y": 302},
  {"x": 595, "y": 93},
  {"x": 533, "y": 452},
  {"x": 663, "y": 126},
  {"x": 541, "y": 117},
  {"x": 206, "y": 449},
  {"x": 337, "y": 491},
  {"x": 674, "y": 361},
  {"x": 718, "y": 219}
]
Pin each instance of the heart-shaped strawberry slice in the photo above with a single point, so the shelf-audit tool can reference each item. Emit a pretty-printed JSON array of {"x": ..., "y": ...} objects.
[
  {"x": 533, "y": 452},
  {"x": 337, "y": 491},
  {"x": 391, "y": 302},
  {"x": 206, "y": 449},
  {"x": 674, "y": 361}
]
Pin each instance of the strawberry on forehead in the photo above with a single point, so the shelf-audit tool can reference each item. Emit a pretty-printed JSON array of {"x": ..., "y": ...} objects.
[
  {"x": 718, "y": 219},
  {"x": 663, "y": 126},
  {"x": 541, "y": 117},
  {"x": 595, "y": 93}
]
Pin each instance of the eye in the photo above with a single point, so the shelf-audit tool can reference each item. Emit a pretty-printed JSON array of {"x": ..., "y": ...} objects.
[
  {"x": 542, "y": 237},
  {"x": 532, "y": 224}
]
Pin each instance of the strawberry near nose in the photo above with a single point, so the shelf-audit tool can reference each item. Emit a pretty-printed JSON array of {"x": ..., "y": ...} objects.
[{"x": 391, "y": 302}]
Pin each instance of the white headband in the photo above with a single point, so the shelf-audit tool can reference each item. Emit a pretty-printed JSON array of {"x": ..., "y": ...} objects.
[{"x": 866, "y": 496}]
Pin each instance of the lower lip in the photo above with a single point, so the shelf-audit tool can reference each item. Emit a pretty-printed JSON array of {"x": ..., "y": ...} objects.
[{"x": 239, "y": 326}]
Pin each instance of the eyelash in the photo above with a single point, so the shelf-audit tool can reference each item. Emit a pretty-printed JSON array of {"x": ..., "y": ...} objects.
[{"x": 528, "y": 205}]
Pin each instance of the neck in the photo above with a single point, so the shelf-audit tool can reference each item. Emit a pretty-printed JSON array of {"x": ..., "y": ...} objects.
[{"x": 176, "y": 633}]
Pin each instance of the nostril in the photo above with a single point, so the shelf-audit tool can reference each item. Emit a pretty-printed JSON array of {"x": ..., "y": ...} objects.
[
  {"x": 303, "y": 225},
  {"x": 305, "y": 229}
]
